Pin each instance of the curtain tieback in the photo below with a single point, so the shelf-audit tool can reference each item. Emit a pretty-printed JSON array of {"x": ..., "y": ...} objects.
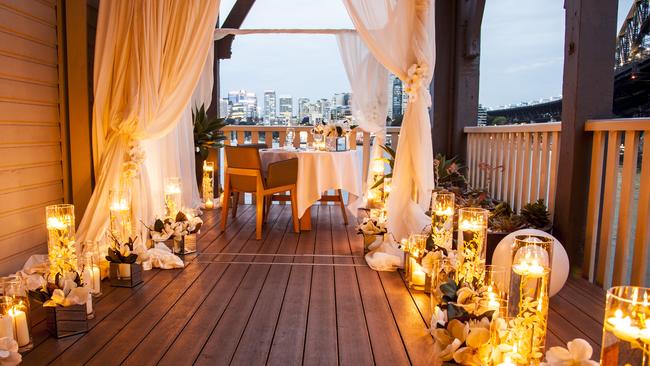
[
  {"x": 415, "y": 87},
  {"x": 134, "y": 158}
]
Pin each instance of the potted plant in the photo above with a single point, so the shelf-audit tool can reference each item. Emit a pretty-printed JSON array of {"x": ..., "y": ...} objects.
[
  {"x": 207, "y": 135},
  {"x": 123, "y": 271}
]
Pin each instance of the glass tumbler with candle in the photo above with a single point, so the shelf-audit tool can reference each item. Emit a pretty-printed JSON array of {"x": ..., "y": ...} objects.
[
  {"x": 172, "y": 192},
  {"x": 626, "y": 327},
  {"x": 291, "y": 133},
  {"x": 120, "y": 214},
  {"x": 444, "y": 271},
  {"x": 61, "y": 248},
  {"x": 494, "y": 289},
  {"x": 472, "y": 236},
  {"x": 442, "y": 219},
  {"x": 416, "y": 277},
  {"x": 207, "y": 184},
  {"x": 528, "y": 292},
  {"x": 91, "y": 267},
  {"x": 15, "y": 288}
]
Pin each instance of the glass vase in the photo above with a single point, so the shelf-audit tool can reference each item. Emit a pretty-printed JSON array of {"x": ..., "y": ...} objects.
[
  {"x": 528, "y": 293},
  {"x": 15, "y": 288},
  {"x": 120, "y": 214},
  {"x": 472, "y": 236},
  {"x": 207, "y": 184},
  {"x": 416, "y": 277},
  {"x": 444, "y": 270},
  {"x": 442, "y": 220},
  {"x": 172, "y": 193},
  {"x": 626, "y": 327},
  {"x": 61, "y": 248},
  {"x": 91, "y": 273}
]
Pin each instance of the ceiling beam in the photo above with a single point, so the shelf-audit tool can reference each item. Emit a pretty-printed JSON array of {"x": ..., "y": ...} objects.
[{"x": 234, "y": 19}]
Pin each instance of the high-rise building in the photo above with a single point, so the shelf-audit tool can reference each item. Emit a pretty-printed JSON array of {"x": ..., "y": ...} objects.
[
  {"x": 251, "y": 105},
  {"x": 285, "y": 103},
  {"x": 482, "y": 115},
  {"x": 324, "y": 107},
  {"x": 270, "y": 106},
  {"x": 397, "y": 98},
  {"x": 302, "y": 108},
  {"x": 243, "y": 105},
  {"x": 223, "y": 108}
]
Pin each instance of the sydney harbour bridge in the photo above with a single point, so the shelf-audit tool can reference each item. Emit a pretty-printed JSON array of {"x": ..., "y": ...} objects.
[{"x": 631, "y": 75}]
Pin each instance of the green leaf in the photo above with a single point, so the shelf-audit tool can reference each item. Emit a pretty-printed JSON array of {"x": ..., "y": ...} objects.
[
  {"x": 449, "y": 289},
  {"x": 159, "y": 226},
  {"x": 180, "y": 217}
]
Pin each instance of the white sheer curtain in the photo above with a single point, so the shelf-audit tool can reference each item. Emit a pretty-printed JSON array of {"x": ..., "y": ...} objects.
[
  {"x": 400, "y": 34},
  {"x": 368, "y": 81},
  {"x": 149, "y": 56}
]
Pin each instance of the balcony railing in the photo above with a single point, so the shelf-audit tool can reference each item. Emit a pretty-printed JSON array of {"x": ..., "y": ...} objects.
[
  {"x": 515, "y": 163},
  {"x": 617, "y": 236}
]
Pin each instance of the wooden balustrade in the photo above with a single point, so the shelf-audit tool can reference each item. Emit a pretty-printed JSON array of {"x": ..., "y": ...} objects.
[
  {"x": 515, "y": 163},
  {"x": 617, "y": 233}
]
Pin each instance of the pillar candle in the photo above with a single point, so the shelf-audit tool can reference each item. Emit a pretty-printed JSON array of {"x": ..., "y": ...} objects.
[
  {"x": 6, "y": 326},
  {"x": 21, "y": 328}
]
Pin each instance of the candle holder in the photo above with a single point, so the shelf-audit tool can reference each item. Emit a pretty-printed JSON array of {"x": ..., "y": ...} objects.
[
  {"x": 626, "y": 328},
  {"x": 507, "y": 338},
  {"x": 472, "y": 235},
  {"x": 528, "y": 293},
  {"x": 444, "y": 270},
  {"x": 442, "y": 220},
  {"x": 14, "y": 288},
  {"x": 207, "y": 184},
  {"x": 495, "y": 290},
  {"x": 172, "y": 195},
  {"x": 91, "y": 274},
  {"x": 416, "y": 277},
  {"x": 61, "y": 248},
  {"x": 120, "y": 214},
  {"x": 387, "y": 188}
]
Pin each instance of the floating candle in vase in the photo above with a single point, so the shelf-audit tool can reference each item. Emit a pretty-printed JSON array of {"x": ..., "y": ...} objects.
[
  {"x": 442, "y": 219},
  {"x": 207, "y": 184},
  {"x": 61, "y": 248},
  {"x": 472, "y": 234},
  {"x": 626, "y": 329},
  {"x": 172, "y": 192},
  {"x": 120, "y": 214}
]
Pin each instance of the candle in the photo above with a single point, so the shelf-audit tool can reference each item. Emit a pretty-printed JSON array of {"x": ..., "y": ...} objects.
[
  {"x": 209, "y": 204},
  {"x": 124, "y": 270},
  {"x": 378, "y": 166},
  {"x": 418, "y": 276},
  {"x": 6, "y": 326},
  {"x": 493, "y": 303},
  {"x": 20, "y": 326},
  {"x": 55, "y": 223},
  {"x": 89, "y": 306},
  {"x": 644, "y": 334},
  {"x": 532, "y": 269},
  {"x": 507, "y": 361},
  {"x": 92, "y": 278}
]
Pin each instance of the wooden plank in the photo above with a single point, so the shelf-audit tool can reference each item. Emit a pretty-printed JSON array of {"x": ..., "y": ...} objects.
[
  {"x": 593, "y": 207},
  {"x": 567, "y": 331},
  {"x": 534, "y": 171},
  {"x": 642, "y": 232},
  {"x": 552, "y": 182},
  {"x": 289, "y": 339},
  {"x": 494, "y": 146},
  {"x": 501, "y": 141},
  {"x": 544, "y": 173},
  {"x": 505, "y": 187},
  {"x": 27, "y": 28},
  {"x": 526, "y": 177},
  {"x": 607, "y": 215},
  {"x": 413, "y": 329},
  {"x": 625, "y": 214},
  {"x": 222, "y": 343},
  {"x": 190, "y": 342},
  {"x": 321, "y": 338}
]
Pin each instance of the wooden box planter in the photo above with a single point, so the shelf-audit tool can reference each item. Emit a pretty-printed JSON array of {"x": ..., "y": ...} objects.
[
  {"x": 187, "y": 245},
  {"x": 65, "y": 321},
  {"x": 125, "y": 275}
]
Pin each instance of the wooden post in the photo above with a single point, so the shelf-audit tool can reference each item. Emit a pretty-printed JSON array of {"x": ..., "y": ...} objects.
[
  {"x": 587, "y": 93},
  {"x": 456, "y": 76},
  {"x": 79, "y": 106}
]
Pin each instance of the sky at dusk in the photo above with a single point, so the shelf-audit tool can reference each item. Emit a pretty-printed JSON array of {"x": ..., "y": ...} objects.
[{"x": 521, "y": 51}]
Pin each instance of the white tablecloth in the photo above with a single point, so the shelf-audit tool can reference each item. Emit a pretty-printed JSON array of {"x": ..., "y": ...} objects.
[{"x": 319, "y": 171}]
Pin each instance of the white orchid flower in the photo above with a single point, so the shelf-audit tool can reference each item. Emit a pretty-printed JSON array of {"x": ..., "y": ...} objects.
[
  {"x": 439, "y": 317},
  {"x": 577, "y": 353}
]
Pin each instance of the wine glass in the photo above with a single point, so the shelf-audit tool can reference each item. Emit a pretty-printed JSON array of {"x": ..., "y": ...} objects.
[{"x": 288, "y": 143}]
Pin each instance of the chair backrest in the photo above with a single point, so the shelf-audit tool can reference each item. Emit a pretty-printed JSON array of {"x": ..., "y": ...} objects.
[
  {"x": 243, "y": 157},
  {"x": 282, "y": 173}
]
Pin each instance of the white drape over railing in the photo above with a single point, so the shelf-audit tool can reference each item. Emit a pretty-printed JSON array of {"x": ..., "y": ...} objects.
[
  {"x": 368, "y": 80},
  {"x": 400, "y": 34},
  {"x": 148, "y": 59}
]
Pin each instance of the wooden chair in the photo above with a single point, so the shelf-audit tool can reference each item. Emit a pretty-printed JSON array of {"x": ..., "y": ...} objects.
[{"x": 244, "y": 174}]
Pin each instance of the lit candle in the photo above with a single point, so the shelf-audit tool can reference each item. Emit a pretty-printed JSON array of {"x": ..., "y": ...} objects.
[
  {"x": 20, "y": 326},
  {"x": 470, "y": 225},
  {"x": 507, "y": 362},
  {"x": 378, "y": 167},
  {"x": 124, "y": 270},
  {"x": 445, "y": 212},
  {"x": 89, "y": 305},
  {"x": 93, "y": 278},
  {"x": 209, "y": 204},
  {"x": 417, "y": 274},
  {"x": 531, "y": 269},
  {"x": 644, "y": 334},
  {"x": 622, "y": 327},
  {"x": 493, "y": 302},
  {"x": 55, "y": 223}
]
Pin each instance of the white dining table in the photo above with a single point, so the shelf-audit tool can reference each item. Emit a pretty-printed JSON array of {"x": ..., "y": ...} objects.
[{"x": 318, "y": 172}]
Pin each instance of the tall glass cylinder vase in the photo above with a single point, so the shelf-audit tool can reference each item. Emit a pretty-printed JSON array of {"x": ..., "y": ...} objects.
[
  {"x": 416, "y": 277},
  {"x": 529, "y": 293},
  {"x": 472, "y": 236},
  {"x": 494, "y": 289},
  {"x": 91, "y": 274},
  {"x": 172, "y": 192},
  {"x": 15, "y": 288},
  {"x": 61, "y": 248},
  {"x": 444, "y": 271},
  {"x": 207, "y": 184},
  {"x": 442, "y": 220},
  {"x": 120, "y": 214},
  {"x": 626, "y": 327}
]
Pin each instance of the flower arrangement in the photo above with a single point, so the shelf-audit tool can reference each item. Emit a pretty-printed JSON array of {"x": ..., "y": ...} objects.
[
  {"x": 372, "y": 226},
  {"x": 119, "y": 252},
  {"x": 578, "y": 352},
  {"x": 460, "y": 325},
  {"x": 175, "y": 227},
  {"x": 65, "y": 290},
  {"x": 339, "y": 128}
]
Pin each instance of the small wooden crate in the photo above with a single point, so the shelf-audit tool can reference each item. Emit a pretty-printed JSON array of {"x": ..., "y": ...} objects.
[
  {"x": 65, "y": 321},
  {"x": 134, "y": 280}
]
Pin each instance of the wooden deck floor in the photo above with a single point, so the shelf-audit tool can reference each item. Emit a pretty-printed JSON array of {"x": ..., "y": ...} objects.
[{"x": 289, "y": 299}]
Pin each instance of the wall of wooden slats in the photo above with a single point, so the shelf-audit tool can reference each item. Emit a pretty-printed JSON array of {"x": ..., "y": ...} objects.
[{"x": 31, "y": 158}]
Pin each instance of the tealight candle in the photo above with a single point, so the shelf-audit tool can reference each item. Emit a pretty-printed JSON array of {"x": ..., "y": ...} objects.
[
  {"x": 172, "y": 195},
  {"x": 472, "y": 234},
  {"x": 442, "y": 219},
  {"x": 507, "y": 361},
  {"x": 61, "y": 246},
  {"x": 418, "y": 276},
  {"x": 626, "y": 329},
  {"x": 120, "y": 214}
]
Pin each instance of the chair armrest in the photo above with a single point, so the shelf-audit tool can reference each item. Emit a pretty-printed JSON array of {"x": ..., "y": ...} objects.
[{"x": 282, "y": 173}]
